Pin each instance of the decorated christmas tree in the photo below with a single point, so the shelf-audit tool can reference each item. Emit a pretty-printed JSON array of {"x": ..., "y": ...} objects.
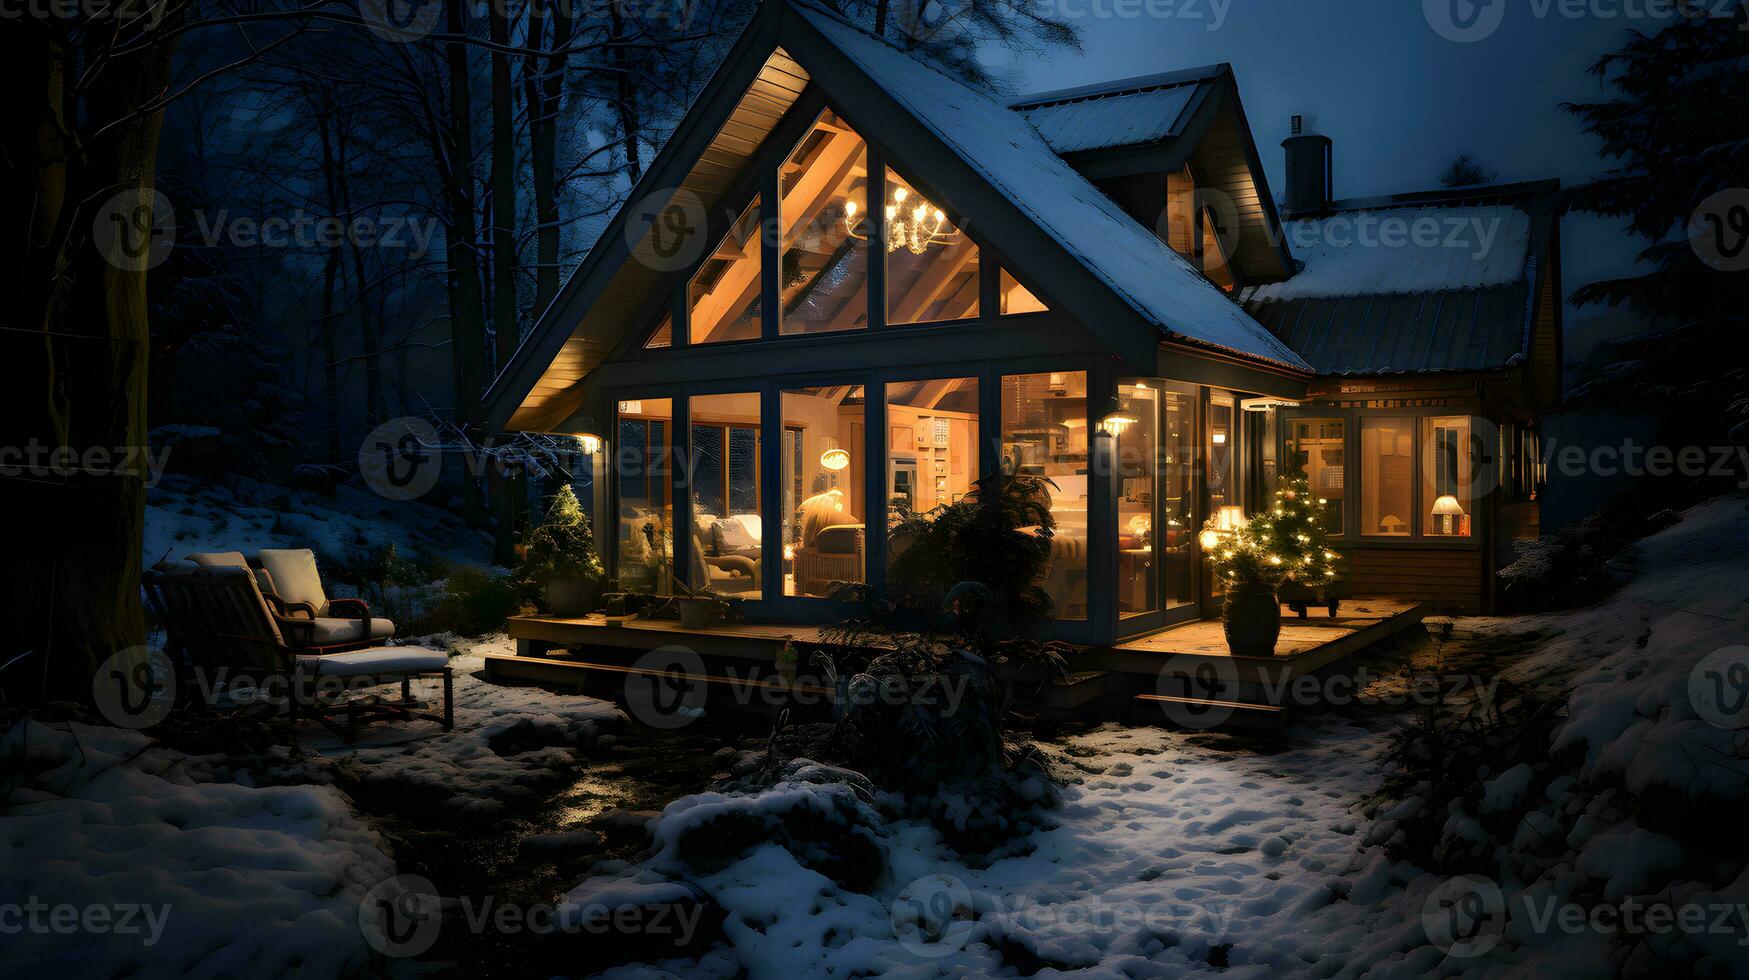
[
  {"x": 1285, "y": 543},
  {"x": 560, "y": 546}
]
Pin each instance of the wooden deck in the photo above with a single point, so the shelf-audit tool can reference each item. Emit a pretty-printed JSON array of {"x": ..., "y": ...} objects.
[{"x": 558, "y": 650}]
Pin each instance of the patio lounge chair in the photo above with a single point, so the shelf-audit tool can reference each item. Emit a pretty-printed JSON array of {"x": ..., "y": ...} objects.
[
  {"x": 220, "y": 616},
  {"x": 289, "y": 579}
]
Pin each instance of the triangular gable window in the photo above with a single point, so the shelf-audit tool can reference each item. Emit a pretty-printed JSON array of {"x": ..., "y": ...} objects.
[
  {"x": 1014, "y": 298},
  {"x": 663, "y": 335}
]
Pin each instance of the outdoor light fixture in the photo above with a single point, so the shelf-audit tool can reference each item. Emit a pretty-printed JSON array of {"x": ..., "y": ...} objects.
[
  {"x": 1446, "y": 508},
  {"x": 912, "y": 226},
  {"x": 590, "y": 442},
  {"x": 835, "y": 459}
]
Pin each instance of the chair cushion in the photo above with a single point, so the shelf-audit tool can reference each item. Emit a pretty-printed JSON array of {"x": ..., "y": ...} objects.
[
  {"x": 218, "y": 559},
  {"x": 330, "y": 630},
  {"x": 295, "y": 576},
  {"x": 376, "y": 660},
  {"x": 839, "y": 539},
  {"x": 734, "y": 536}
]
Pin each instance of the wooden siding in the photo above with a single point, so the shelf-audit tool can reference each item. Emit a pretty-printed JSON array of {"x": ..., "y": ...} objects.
[
  {"x": 1545, "y": 345},
  {"x": 1450, "y": 579}
]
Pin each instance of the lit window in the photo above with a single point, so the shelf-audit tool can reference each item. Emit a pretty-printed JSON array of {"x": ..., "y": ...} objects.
[
  {"x": 1387, "y": 477},
  {"x": 1318, "y": 449},
  {"x": 825, "y": 532},
  {"x": 663, "y": 335},
  {"x": 1447, "y": 474},
  {"x": 932, "y": 267},
  {"x": 1044, "y": 435},
  {"x": 932, "y": 447},
  {"x": 824, "y": 190},
  {"x": 727, "y": 526},
  {"x": 1015, "y": 298},
  {"x": 724, "y": 295},
  {"x": 641, "y": 464}
]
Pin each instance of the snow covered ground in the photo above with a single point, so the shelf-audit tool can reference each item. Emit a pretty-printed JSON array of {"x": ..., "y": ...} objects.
[
  {"x": 185, "y": 514},
  {"x": 142, "y": 861},
  {"x": 1172, "y": 853},
  {"x": 1179, "y": 854}
]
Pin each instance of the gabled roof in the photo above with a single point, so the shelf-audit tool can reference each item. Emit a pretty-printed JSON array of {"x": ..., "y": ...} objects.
[
  {"x": 1131, "y": 112},
  {"x": 1436, "y": 281},
  {"x": 1014, "y": 159},
  {"x": 1142, "y": 127},
  {"x": 1113, "y": 275}
]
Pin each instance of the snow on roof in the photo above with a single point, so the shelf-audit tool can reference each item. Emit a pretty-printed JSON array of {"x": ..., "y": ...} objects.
[
  {"x": 1011, "y": 155},
  {"x": 1100, "y": 121},
  {"x": 1390, "y": 251}
]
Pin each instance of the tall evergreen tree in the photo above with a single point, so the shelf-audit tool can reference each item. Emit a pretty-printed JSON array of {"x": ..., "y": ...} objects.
[{"x": 1679, "y": 134}]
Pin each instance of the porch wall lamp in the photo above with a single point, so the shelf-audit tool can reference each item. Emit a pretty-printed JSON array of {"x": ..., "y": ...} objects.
[
  {"x": 590, "y": 442},
  {"x": 1115, "y": 420}
]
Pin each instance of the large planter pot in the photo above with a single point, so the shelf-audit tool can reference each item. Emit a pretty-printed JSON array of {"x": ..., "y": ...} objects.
[
  {"x": 570, "y": 597},
  {"x": 697, "y": 614},
  {"x": 1252, "y": 618}
]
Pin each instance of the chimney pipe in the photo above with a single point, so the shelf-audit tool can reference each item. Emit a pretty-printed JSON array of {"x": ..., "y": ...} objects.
[{"x": 1310, "y": 171}]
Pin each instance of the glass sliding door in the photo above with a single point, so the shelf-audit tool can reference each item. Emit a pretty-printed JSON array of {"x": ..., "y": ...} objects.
[
  {"x": 1318, "y": 450},
  {"x": 824, "y": 513},
  {"x": 1221, "y": 449},
  {"x": 642, "y": 460},
  {"x": 1045, "y": 435},
  {"x": 728, "y": 527}
]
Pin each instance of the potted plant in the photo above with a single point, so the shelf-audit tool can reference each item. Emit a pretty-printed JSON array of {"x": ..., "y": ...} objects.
[
  {"x": 1285, "y": 543},
  {"x": 699, "y": 608},
  {"x": 558, "y": 560}
]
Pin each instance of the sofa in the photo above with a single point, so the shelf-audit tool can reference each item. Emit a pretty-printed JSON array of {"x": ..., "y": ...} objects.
[{"x": 831, "y": 549}]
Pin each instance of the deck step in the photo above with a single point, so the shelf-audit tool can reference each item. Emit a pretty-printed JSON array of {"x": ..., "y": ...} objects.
[
  {"x": 1076, "y": 689},
  {"x": 1193, "y": 712}
]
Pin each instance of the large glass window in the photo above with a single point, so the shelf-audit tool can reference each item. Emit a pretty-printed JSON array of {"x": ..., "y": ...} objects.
[
  {"x": 1447, "y": 474},
  {"x": 932, "y": 447},
  {"x": 1387, "y": 477},
  {"x": 643, "y": 457},
  {"x": 727, "y": 526},
  {"x": 1139, "y": 541},
  {"x": 1178, "y": 492},
  {"x": 724, "y": 295},
  {"x": 1317, "y": 448},
  {"x": 932, "y": 267},
  {"x": 1223, "y": 443},
  {"x": 824, "y": 532},
  {"x": 824, "y": 185},
  {"x": 1044, "y": 434}
]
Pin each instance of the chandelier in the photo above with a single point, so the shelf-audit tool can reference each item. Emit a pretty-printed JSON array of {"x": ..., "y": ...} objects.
[{"x": 912, "y": 227}]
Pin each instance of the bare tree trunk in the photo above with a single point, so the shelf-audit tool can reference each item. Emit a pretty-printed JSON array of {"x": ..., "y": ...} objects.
[
  {"x": 370, "y": 331},
  {"x": 503, "y": 190},
  {"x": 626, "y": 102},
  {"x": 330, "y": 284},
  {"x": 467, "y": 300},
  {"x": 78, "y": 378},
  {"x": 543, "y": 87}
]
